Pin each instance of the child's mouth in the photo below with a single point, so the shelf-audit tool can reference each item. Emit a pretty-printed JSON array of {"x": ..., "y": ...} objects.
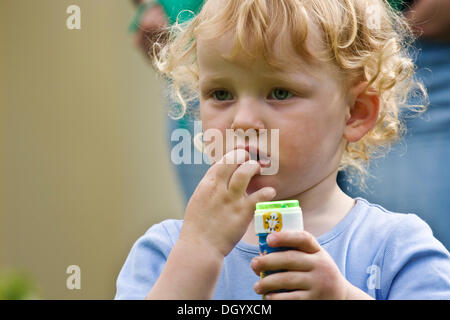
[
  {"x": 264, "y": 161},
  {"x": 263, "y": 158}
]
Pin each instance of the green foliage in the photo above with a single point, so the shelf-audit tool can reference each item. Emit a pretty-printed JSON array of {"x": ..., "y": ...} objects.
[{"x": 17, "y": 285}]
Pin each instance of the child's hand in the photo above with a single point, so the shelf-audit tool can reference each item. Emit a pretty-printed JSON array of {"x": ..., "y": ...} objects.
[
  {"x": 219, "y": 211},
  {"x": 311, "y": 272}
]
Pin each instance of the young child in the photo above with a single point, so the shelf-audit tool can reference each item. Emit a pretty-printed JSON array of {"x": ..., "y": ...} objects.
[{"x": 332, "y": 76}]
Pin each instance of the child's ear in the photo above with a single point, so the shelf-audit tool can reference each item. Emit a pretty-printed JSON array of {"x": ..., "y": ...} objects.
[{"x": 362, "y": 112}]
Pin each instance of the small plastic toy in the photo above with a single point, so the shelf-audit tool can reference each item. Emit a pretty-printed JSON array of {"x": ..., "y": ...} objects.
[{"x": 275, "y": 216}]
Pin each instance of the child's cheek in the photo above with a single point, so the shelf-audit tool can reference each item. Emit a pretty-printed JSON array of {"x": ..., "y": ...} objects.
[
  {"x": 299, "y": 157},
  {"x": 296, "y": 145}
]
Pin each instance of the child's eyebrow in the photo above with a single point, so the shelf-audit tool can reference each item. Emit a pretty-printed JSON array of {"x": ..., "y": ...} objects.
[
  {"x": 212, "y": 80},
  {"x": 281, "y": 78},
  {"x": 299, "y": 79},
  {"x": 208, "y": 79}
]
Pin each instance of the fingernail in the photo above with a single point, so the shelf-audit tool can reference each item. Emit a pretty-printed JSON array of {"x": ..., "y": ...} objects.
[
  {"x": 256, "y": 287},
  {"x": 270, "y": 238},
  {"x": 270, "y": 193},
  {"x": 241, "y": 153}
]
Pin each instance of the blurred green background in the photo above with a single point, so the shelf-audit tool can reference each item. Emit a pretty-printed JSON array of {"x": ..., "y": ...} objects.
[{"x": 84, "y": 164}]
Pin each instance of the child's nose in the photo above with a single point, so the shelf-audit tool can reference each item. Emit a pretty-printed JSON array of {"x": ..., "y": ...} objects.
[{"x": 248, "y": 116}]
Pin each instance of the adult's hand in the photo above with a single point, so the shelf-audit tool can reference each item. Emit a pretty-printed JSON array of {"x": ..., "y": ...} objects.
[
  {"x": 430, "y": 19},
  {"x": 151, "y": 29}
]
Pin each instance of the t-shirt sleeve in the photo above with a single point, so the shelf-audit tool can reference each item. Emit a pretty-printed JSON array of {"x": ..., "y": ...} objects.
[
  {"x": 415, "y": 265},
  {"x": 144, "y": 263}
]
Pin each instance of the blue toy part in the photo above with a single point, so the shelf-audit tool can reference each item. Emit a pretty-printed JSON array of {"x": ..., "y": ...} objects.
[{"x": 264, "y": 248}]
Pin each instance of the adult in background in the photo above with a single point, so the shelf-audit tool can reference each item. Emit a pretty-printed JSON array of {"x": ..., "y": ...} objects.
[
  {"x": 151, "y": 18},
  {"x": 415, "y": 174}
]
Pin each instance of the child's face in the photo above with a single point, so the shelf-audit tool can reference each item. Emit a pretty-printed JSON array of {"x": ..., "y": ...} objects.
[{"x": 307, "y": 106}]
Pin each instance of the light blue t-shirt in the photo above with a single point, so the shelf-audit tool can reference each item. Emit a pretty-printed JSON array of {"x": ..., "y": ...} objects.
[{"x": 387, "y": 255}]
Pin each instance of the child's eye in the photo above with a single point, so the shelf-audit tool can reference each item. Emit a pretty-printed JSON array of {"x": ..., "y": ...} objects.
[
  {"x": 222, "y": 95},
  {"x": 280, "y": 94}
]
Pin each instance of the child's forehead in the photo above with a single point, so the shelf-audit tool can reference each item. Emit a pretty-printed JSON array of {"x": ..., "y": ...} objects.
[{"x": 284, "y": 63}]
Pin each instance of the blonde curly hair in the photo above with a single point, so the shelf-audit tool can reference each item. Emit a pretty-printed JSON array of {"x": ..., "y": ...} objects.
[{"x": 366, "y": 40}]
